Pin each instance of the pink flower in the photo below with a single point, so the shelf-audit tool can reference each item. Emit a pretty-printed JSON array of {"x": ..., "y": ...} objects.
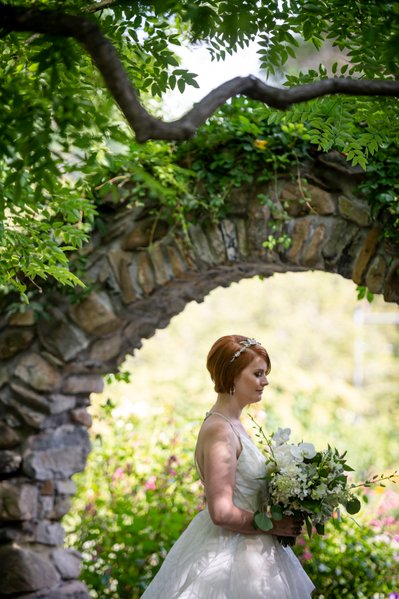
[
  {"x": 119, "y": 473},
  {"x": 381, "y": 523},
  {"x": 376, "y": 523},
  {"x": 301, "y": 541},
  {"x": 306, "y": 555},
  {"x": 149, "y": 485},
  {"x": 389, "y": 501}
]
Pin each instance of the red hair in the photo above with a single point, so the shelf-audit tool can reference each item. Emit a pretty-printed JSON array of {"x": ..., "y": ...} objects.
[{"x": 223, "y": 371}]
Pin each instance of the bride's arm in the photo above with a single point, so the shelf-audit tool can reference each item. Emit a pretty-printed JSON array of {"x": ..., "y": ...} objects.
[{"x": 220, "y": 451}]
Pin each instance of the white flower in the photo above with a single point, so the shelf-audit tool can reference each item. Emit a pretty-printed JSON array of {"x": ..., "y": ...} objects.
[
  {"x": 292, "y": 469},
  {"x": 293, "y": 477},
  {"x": 319, "y": 491},
  {"x": 296, "y": 453},
  {"x": 283, "y": 456},
  {"x": 283, "y": 488},
  {"x": 308, "y": 450},
  {"x": 281, "y": 436}
]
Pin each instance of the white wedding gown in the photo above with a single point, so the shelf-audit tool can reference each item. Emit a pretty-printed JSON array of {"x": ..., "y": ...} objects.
[{"x": 211, "y": 562}]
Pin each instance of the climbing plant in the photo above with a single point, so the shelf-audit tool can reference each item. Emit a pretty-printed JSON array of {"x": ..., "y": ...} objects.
[
  {"x": 64, "y": 142},
  {"x": 242, "y": 144}
]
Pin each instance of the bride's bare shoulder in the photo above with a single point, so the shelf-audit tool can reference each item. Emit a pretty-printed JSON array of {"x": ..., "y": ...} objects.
[
  {"x": 214, "y": 427},
  {"x": 216, "y": 431}
]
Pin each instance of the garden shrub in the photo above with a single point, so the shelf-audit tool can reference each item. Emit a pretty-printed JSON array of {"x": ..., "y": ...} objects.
[
  {"x": 138, "y": 493},
  {"x": 355, "y": 560}
]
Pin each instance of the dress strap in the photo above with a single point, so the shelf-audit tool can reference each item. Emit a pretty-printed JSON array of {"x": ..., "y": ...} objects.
[
  {"x": 234, "y": 430},
  {"x": 227, "y": 419}
]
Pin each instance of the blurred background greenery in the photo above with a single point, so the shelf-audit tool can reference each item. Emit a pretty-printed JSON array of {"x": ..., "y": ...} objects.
[
  {"x": 334, "y": 380},
  {"x": 308, "y": 323}
]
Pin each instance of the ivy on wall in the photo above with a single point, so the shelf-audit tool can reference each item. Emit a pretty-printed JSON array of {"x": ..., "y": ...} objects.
[{"x": 243, "y": 144}]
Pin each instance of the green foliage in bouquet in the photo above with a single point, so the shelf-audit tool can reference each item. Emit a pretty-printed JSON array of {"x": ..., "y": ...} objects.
[
  {"x": 301, "y": 481},
  {"x": 136, "y": 496}
]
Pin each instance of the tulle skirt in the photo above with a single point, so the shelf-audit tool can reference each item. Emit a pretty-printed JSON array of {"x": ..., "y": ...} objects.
[{"x": 210, "y": 562}]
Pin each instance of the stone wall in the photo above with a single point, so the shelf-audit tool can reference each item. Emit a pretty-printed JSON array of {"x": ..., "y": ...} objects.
[{"x": 140, "y": 274}]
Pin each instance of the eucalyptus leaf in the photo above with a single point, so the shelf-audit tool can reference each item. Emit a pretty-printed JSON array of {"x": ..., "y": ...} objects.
[
  {"x": 263, "y": 522},
  {"x": 353, "y": 506}
]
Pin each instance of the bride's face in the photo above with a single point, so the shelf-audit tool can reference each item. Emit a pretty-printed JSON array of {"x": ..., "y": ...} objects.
[{"x": 249, "y": 384}]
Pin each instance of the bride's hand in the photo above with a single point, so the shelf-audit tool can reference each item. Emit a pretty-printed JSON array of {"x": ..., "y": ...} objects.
[{"x": 288, "y": 526}]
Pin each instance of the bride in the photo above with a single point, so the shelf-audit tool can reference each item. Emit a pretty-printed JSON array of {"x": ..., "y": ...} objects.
[{"x": 222, "y": 554}]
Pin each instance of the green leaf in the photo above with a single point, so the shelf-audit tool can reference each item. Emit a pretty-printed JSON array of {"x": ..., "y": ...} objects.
[
  {"x": 172, "y": 81},
  {"x": 353, "y": 506},
  {"x": 173, "y": 61},
  {"x": 181, "y": 84},
  {"x": 309, "y": 527},
  {"x": 277, "y": 512},
  {"x": 263, "y": 522},
  {"x": 307, "y": 29}
]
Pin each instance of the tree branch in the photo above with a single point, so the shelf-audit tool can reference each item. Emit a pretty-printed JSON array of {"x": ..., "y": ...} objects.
[
  {"x": 99, "y": 6},
  {"x": 145, "y": 125}
]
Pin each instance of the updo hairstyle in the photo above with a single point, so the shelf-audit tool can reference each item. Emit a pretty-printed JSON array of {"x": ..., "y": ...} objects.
[{"x": 222, "y": 370}]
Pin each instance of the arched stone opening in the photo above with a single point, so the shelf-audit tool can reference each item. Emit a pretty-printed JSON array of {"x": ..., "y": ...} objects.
[{"x": 140, "y": 275}]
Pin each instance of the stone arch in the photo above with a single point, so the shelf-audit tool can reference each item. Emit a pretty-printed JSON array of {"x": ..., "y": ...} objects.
[{"x": 140, "y": 274}]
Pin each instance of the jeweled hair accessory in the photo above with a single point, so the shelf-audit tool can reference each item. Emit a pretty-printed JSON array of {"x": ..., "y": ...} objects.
[{"x": 245, "y": 344}]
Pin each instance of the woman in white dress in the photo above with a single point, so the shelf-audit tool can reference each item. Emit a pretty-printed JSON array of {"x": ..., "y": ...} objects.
[{"x": 222, "y": 554}]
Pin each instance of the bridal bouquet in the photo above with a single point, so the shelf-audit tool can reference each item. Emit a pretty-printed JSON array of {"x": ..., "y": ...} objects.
[{"x": 301, "y": 481}]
